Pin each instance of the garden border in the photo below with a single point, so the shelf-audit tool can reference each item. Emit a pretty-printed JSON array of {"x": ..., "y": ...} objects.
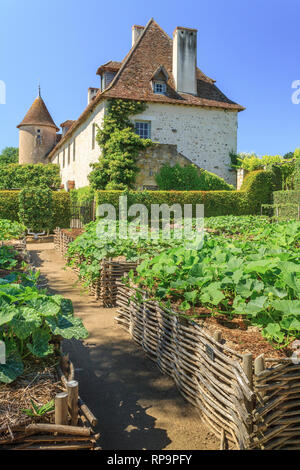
[{"x": 254, "y": 403}]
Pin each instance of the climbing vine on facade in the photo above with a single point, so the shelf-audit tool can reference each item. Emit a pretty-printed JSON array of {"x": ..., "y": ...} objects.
[{"x": 120, "y": 146}]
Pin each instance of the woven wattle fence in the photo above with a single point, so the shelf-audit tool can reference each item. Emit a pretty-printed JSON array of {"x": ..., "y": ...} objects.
[
  {"x": 104, "y": 286},
  {"x": 251, "y": 405}
]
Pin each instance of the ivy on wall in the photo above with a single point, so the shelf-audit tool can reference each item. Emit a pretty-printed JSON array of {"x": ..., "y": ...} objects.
[{"x": 120, "y": 147}]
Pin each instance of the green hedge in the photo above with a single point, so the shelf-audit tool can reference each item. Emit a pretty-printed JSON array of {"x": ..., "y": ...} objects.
[
  {"x": 15, "y": 176},
  {"x": 61, "y": 209},
  {"x": 257, "y": 189},
  {"x": 189, "y": 178},
  {"x": 288, "y": 201},
  {"x": 9, "y": 207},
  {"x": 82, "y": 195}
]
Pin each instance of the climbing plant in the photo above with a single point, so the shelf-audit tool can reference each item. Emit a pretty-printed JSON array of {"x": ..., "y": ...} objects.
[{"x": 120, "y": 146}]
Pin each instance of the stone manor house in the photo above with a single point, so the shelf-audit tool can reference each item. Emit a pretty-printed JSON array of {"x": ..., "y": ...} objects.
[{"x": 187, "y": 116}]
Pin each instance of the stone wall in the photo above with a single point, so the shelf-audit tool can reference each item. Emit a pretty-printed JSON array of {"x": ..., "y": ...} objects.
[
  {"x": 205, "y": 136},
  {"x": 35, "y": 145},
  {"x": 152, "y": 159}
]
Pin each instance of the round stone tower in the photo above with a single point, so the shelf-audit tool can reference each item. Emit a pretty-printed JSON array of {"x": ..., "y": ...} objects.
[{"x": 37, "y": 133}]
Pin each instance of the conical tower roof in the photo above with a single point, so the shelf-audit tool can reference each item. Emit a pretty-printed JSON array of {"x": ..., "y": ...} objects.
[{"x": 38, "y": 115}]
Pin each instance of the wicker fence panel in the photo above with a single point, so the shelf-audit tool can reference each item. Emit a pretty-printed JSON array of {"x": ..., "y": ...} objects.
[
  {"x": 104, "y": 286},
  {"x": 277, "y": 414},
  {"x": 207, "y": 375},
  {"x": 260, "y": 411}
]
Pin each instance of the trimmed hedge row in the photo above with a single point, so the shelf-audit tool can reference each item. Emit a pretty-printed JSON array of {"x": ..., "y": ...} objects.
[
  {"x": 289, "y": 200},
  {"x": 9, "y": 207},
  {"x": 15, "y": 176},
  {"x": 256, "y": 190},
  {"x": 82, "y": 195}
]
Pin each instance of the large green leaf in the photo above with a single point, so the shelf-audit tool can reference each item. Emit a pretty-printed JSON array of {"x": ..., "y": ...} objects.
[
  {"x": 26, "y": 322},
  {"x": 67, "y": 326},
  {"x": 13, "y": 366},
  {"x": 40, "y": 346}
]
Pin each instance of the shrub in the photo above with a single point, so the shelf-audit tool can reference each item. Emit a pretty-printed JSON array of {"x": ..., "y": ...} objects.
[
  {"x": 35, "y": 208},
  {"x": 297, "y": 170},
  {"x": 259, "y": 186},
  {"x": 61, "y": 214},
  {"x": 9, "y": 207},
  {"x": 82, "y": 195},
  {"x": 289, "y": 201},
  {"x": 15, "y": 176},
  {"x": 189, "y": 178},
  {"x": 257, "y": 190}
]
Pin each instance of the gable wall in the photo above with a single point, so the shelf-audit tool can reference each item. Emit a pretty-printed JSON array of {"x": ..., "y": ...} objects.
[{"x": 205, "y": 136}]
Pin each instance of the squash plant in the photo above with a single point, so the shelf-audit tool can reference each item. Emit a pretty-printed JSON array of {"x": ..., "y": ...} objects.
[
  {"x": 29, "y": 318},
  {"x": 258, "y": 278},
  {"x": 9, "y": 230}
]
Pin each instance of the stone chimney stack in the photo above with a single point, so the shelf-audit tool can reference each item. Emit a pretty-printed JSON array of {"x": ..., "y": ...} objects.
[
  {"x": 92, "y": 92},
  {"x": 185, "y": 60},
  {"x": 136, "y": 32}
]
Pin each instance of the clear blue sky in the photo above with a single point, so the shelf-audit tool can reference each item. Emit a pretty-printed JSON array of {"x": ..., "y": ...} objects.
[{"x": 251, "y": 47}]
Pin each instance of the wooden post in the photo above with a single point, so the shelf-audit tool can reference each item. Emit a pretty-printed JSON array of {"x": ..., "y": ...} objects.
[
  {"x": 218, "y": 336},
  {"x": 72, "y": 387},
  {"x": 247, "y": 367},
  {"x": 61, "y": 408},
  {"x": 259, "y": 366}
]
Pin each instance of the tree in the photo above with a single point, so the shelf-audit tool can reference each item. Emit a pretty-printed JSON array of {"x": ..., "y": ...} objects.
[{"x": 9, "y": 155}]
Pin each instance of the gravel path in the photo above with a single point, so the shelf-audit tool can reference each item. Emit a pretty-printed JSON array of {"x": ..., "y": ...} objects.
[{"x": 137, "y": 406}]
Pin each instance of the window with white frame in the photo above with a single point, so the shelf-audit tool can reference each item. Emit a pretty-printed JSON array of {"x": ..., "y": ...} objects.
[
  {"x": 69, "y": 154},
  {"x": 74, "y": 150},
  {"x": 143, "y": 129},
  {"x": 160, "y": 88}
]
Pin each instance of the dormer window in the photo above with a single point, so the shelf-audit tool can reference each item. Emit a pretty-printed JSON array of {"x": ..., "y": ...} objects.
[{"x": 160, "y": 88}]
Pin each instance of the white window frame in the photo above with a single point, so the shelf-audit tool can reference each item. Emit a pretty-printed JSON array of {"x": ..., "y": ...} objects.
[
  {"x": 140, "y": 129},
  {"x": 161, "y": 84}
]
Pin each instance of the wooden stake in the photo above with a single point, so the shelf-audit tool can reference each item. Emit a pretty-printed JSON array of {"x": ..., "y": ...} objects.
[
  {"x": 247, "y": 367},
  {"x": 61, "y": 408},
  {"x": 218, "y": 336},
  {"x": 259, "y": 366},
  {"x": 72, "y": 387}
]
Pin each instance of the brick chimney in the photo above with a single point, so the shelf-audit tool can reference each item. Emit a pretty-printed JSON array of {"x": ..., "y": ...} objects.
[
  {"x": 136, "y": 32},
  {"x": 185, "y": 60}
]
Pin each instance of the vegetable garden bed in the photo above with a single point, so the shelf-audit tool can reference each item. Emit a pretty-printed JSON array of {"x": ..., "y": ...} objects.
[
  {"x": 252, "y": 401},
  {"x": 32, "y": 370}
]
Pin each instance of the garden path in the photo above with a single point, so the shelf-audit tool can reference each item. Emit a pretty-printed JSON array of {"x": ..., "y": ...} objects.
[{"x": 137, "y": 406}]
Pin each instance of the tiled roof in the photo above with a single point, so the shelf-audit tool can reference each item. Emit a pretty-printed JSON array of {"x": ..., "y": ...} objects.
[
  {"x": 67, "y": 123},
  {"x": 38, "y": 115},
  {"x": 153, "y": 49},
  {"x": 111, "y": 66}
]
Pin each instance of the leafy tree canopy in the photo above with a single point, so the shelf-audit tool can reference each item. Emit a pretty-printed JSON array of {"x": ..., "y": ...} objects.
[{"x": 9, "y": 155}]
